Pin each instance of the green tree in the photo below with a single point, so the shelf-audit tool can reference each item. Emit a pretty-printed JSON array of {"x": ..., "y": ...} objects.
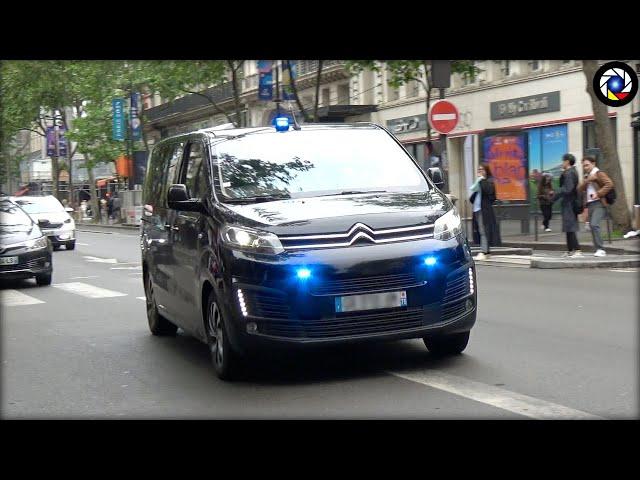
[
  {"x": 609, "y": 161},
  {"x": 92, "y": 133}
]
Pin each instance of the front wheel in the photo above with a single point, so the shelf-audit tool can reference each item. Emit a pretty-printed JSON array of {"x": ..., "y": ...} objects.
[
  {"x": 447, "y": 344},
  {"x": 226, "y": 361},
  {"x": 71, "y": 245},
  {"x": 44, "y": 279}
]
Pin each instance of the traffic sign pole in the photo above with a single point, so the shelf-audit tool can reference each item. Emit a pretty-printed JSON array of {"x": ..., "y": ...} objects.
[{"x": 443, "y": 153}]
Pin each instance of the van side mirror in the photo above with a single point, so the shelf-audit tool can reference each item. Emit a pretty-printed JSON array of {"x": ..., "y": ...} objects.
[
  {"x": 178, "y": 199},
  {"x": 435, "y": 174},
  {"x": 68, "y": 210}
]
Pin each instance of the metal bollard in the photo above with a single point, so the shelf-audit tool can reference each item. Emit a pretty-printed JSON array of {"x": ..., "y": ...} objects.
[{"x": 535, "y": 224}]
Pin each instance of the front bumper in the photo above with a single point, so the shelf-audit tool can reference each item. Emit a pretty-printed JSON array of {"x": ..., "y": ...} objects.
[
  {"x": 282, "y": 310},
  {"x": 60, "y": 236},
  {"x": 37, "y": 262}
]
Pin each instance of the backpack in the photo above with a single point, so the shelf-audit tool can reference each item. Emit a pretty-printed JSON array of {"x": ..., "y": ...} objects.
[{"x": 578, "y": 206}]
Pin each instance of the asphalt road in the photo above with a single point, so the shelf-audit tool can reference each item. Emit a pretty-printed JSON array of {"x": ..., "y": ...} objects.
[{"x": 547, "y": 344}]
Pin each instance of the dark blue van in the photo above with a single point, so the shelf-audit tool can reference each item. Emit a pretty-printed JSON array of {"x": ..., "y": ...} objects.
[{"x": 318, "y": 235}]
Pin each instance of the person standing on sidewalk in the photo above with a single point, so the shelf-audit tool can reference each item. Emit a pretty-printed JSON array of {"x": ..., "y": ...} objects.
[
  {"x": 596, "y": 185},
  {"x": 545, "y": 194},
  {"x": 569, "y": 194},
  {"x": 485, "y": 227}
]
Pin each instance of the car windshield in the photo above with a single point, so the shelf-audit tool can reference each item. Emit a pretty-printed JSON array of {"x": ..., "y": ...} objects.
[
  {"x": 12, "y": 216},
  {"x": 308, "y": 163},
  {"x": 40, "y": 205}
]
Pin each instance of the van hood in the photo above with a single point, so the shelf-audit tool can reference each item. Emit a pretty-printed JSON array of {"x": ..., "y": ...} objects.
[
  {"x": 53, "y": 217},
  {"x": 340, "y": 213}
]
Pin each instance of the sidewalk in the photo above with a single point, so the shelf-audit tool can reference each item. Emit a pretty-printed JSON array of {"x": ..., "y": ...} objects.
[{"x": 88, "y": 226}]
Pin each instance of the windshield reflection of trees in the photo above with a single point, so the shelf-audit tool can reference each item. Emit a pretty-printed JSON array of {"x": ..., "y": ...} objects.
[{"x": 253, "y": 177}]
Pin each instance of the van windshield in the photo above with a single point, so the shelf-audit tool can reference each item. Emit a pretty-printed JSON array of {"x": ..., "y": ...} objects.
[{"x": 308, "y": 163}]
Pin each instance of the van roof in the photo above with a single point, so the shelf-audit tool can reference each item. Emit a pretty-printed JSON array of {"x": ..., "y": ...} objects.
[{"x": 229, "y": 133}]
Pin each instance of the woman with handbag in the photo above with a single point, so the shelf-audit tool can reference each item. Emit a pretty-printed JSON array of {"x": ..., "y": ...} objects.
[{"x": 485, "y": 226}]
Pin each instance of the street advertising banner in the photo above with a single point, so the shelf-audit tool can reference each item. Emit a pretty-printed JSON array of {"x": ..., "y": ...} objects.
[
  {"x": 265, "y": 86},
  {"x": 289, "y": 70},
  {"x": 117, "y": 108},
  {"x": 507, "y": 158},
  {"x": 62, "y": 142},
  {"x": 51, "y": 142},
  {"x": 136, "y": 131},
  {"x": 56, "y": 142}
]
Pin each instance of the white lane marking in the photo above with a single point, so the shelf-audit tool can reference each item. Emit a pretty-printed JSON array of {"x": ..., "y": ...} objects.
[
  {"x": 624, "y": 270},
  {"x": 139, "y": 267},
  {"x": 141, "y": 298},
  {"x": 14, "y": 298},
  {"x": 83, "y": 244},
  {"x": 81, "y": 278},
  {"x": 497, "y": 397},
  {"x": 99, "y": 260},
  {"x": 87, "y": 290}
]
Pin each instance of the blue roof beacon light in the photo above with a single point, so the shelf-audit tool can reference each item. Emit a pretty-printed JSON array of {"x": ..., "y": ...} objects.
[
  {"x": 430, "y": 261},
  {"x": 282, "y": 124},
  {"x": 303, "y": 273}
]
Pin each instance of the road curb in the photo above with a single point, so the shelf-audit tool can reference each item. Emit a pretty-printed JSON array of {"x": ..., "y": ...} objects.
[
  {"x": 504, "y": 251},
  {"x": 555, "y": 246},
  {"x": 97, "y": 228},
  {"x": 629, "y": 262}
]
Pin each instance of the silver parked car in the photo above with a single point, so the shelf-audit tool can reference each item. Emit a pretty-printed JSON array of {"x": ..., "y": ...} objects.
[{"x": 52, "y": 217}]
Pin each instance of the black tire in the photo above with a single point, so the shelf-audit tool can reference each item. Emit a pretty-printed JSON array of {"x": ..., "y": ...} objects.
[
  {"x": 225, "y": 359},
  {"x": 158, "y": 325},
  {"x": 70, "y": 245},
  {"x": 44, "y": 279},
  {"x": 447, "y": 344},
  {"x": 56, "y": 247}
]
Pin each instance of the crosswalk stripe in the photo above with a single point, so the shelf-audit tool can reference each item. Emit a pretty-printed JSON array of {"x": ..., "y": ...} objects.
[
  {"x": 494, "y": 396},
  {"x": 141, "y": 298},
  {"x": 89, "y": 291},
  {"x": 14, "y": 298}
]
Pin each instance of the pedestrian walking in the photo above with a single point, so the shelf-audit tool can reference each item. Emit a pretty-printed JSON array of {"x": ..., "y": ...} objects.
[
  {"x": 545, "y": 194},
  {"x": 116, "y": 207},
  {"x": 593, "y": 191},
  {"x": 485, "y": 226},
  {"x": 570, "y": 206}
]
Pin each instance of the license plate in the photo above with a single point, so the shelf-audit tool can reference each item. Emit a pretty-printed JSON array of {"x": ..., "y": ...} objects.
[
  {"x": 371, "y": 301},
  {"x": 9, "y": 260}
]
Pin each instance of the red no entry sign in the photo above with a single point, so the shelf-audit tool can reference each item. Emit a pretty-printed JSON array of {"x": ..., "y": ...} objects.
[{"x": 443, "y": 116}]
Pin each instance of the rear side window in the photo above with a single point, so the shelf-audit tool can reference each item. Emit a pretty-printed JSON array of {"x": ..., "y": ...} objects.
[
  {"x": 194, "y": 177},
  {"x": 161, "y": 173}
]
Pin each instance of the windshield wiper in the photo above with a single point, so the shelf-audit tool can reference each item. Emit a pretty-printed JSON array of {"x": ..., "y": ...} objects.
[
  {"x": 352, "y": 192},
  {"x": 259, "y": 198}
]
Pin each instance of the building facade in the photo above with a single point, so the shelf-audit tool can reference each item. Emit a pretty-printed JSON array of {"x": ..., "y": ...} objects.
[{"x": 546, "y": 99}]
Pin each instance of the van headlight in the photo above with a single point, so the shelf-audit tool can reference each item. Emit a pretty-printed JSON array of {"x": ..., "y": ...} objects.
[
  {"x": 251, "y": 240},
  {"x": 447, "y": 226},
  {"x": 36, "y": 244}
]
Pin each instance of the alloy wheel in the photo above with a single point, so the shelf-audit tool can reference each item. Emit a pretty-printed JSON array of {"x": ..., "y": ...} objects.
[{"x": 214, "y": 324}]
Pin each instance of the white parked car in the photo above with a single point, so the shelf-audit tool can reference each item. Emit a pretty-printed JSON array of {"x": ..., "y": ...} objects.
[{"x": 52, "y": 218}]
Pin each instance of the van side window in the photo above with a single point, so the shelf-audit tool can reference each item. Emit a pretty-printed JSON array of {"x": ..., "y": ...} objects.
[
  {"x": 194, "y": 174},
  {"x": 171, "y": 159},
  {"x": 152, "y": 194}
]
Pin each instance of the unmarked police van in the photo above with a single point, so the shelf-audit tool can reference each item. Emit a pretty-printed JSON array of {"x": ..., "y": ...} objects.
[{"x": 294, "y": 237}]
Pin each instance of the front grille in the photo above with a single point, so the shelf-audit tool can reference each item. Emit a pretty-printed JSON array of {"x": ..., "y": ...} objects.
[
  {"x": 50, "y": 226},
  {"x": 398, "y": 281},
  {"x": 262, "y": 304},
  {"x": 33, "y": 263},
  {"x": 346, "y": 325},
  {"x": 457, "y": 287},
  {"x": 453, "y": 310},
  {"x": 358, "y": 235}
]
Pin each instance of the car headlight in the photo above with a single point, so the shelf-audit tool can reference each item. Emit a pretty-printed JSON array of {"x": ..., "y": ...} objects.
[
  {"x": 251, "y": 240},
  {"x": 447, "y": 226},
  {"x": 37, "y": 244}
]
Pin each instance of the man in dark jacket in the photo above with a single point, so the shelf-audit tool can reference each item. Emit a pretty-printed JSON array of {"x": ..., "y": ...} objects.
[{"x": 569, "y": 194}]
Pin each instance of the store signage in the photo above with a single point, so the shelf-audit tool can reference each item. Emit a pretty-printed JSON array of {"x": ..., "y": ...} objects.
[
  {"x": 522, "y": 106},
  {"x": 117, "y": 108},
  {"x": 407, "y": 124}
]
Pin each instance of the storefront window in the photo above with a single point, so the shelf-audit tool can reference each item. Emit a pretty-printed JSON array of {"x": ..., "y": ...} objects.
[{"x": 546, "y": 147}]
